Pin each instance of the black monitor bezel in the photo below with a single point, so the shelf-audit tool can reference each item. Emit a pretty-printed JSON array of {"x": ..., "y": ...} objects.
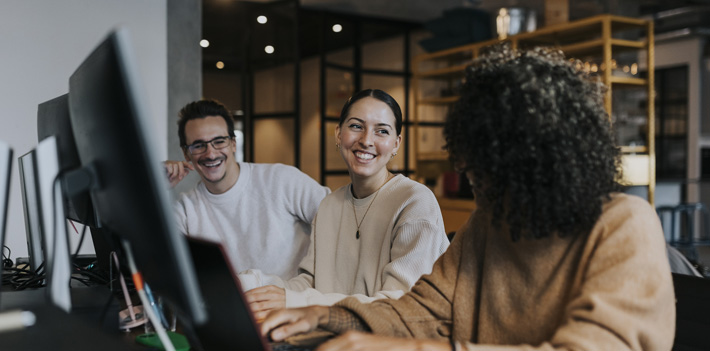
[{"x": 109, "y": 119}]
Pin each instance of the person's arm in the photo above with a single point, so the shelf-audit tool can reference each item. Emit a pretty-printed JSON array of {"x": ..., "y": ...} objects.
[
  {"x": 265, "y": 292},
  {"x": 255, "y": 278},
  {"x": 341, "y": 319},
  {"x": 354, "y": 336},
  {"x": 625, "y": 302},
  {"x": 180, "y": 216},
  {"x": 303, "y": 194},
  {"x": 415, "y": 248}
]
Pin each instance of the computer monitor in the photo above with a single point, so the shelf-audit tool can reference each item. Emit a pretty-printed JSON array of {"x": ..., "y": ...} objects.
[
  {"x": 5, "y": 168},
  {"x": 130, "y": 193},
  {"x": 53, "y": 120},
  {"x": 53, "y": 224},
  {"x": 30, "y": 207}
]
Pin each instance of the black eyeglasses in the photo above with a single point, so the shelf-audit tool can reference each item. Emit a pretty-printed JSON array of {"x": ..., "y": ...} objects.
[{"x": 200, "y": 147}]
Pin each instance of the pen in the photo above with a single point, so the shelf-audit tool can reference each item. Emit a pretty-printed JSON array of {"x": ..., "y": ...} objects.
[
  {"x": 14, "y": 320},
  {"x": 158, "y": 309}
]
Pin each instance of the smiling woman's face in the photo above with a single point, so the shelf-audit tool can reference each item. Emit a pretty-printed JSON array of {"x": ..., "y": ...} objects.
[{"x": 368, "y": 137}]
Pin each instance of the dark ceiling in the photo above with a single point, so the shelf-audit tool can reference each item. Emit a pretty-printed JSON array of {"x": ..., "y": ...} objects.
[{"x": 238, "y": 40}]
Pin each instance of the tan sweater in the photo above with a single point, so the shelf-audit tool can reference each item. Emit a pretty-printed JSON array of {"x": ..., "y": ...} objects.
[
  {"x": 402, "y": 236},
  {"x": 610, "y": 290}
]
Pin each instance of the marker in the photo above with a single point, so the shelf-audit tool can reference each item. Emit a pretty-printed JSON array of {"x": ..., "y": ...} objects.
[
  {"x": 158, "y": 309},
  {"x": 15, "y": 320}
]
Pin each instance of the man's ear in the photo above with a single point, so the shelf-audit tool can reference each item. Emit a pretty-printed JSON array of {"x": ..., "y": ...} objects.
[{"x": 187, "y": 156}]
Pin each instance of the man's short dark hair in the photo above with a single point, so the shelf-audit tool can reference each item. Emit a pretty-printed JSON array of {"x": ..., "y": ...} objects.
[{"x": 202, "y": 109}]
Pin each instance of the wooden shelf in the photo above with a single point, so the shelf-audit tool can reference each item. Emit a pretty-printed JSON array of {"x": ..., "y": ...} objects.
[
  {"x": 456, "y": 204},
  {"x": 597, "y": 37},
  {"x": 438, "y": 100},
  {"x": 595, "y": 47},
  {"x": 433, "y": 156},
  {"x": 618, "y": 80},
  {"x": 455, "y": 212},
  {"x": 634, "y": 149},
  {"x": 445, "y": 73}
]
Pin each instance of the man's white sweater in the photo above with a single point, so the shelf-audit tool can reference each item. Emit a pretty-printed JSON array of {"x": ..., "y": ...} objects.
[{"x": 263, "y": 221}]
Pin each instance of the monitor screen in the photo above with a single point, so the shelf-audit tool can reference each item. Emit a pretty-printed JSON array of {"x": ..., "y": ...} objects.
[
  {"x": 5, "y": 168},
  {"x": 30, "y": 206},
  {"x": 53, "y": 120},
  {"x": 109, "y": 119}
]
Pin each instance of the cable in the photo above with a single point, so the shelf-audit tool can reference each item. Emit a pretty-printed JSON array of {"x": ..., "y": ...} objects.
[
  {"x": 6, "y": 261},
  {"x": 81, "y": 240},
  {"x": 97, "y": 278}
]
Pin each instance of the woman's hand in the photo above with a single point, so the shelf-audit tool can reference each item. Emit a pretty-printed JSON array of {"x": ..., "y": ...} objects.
[
  {"x": 281, "y": 324},
  {"x": 176, "y": 171},
  {"x": 354, "y": 341},
  {"x": 265, "y": 299}
]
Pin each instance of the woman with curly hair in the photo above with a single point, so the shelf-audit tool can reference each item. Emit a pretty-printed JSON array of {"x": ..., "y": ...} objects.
[{"x": 553, "y": 258}]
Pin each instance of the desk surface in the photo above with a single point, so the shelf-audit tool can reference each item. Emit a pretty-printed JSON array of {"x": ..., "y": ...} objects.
[{"x": 56, "y": 330}]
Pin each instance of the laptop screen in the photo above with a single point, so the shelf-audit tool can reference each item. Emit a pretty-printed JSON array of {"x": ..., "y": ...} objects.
[{"x": 230, "y": 323}]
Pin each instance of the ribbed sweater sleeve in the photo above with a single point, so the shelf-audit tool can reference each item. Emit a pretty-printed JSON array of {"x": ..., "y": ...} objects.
[{"x": 427, "y": 310}]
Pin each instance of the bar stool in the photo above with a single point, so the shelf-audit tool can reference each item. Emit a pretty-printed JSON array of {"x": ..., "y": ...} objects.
[
  {"x": 686, "y": 240},
  {"x": 663, "y": 213}
]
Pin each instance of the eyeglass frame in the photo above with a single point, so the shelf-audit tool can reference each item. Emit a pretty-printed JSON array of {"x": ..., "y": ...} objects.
[{"x": 186, "y": 148}]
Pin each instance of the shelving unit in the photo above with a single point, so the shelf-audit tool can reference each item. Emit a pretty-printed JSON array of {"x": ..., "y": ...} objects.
[{"x": 602, "y": 42}]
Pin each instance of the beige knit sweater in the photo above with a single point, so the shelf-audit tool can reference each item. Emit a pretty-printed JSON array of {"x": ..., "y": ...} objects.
[{"x": 609, "y": 290}]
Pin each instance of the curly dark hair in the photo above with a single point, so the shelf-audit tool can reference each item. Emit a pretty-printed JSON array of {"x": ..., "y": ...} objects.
[{"x": 533, "y": 131}]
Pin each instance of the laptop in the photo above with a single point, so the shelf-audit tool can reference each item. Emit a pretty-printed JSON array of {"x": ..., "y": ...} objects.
[
  {"x": 692, "y": 310},
  {"x": 230, "y": 323}
]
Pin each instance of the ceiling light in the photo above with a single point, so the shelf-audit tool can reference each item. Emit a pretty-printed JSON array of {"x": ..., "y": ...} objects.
[
  {"x": 337, "y": 28},
  {"x": 262, "y": 19},
  {"x": 269, "y": 49},
  {"x": 204, "y": 43},
  {"x": 220, "y": 65}
]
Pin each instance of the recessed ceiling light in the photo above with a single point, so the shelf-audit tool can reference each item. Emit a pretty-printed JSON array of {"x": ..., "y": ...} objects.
[
  {"x": 220, "y": 65},
  {"x": 337, "y": 28},
  {"x": 204, "y": 43},
  {"x": 262, "y": 19},
  {"x": 269, "y": 49}
]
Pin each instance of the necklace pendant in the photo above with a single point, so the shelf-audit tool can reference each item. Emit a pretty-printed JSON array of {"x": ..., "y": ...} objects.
[{"x": 357, "y": 235}]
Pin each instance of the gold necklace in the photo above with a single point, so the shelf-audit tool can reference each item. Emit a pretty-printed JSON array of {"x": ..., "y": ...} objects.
[{"x": 352, "y": 201}]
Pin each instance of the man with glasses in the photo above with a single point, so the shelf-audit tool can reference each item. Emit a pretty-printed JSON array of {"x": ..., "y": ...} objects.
[{"x": 261, "y": 213}]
